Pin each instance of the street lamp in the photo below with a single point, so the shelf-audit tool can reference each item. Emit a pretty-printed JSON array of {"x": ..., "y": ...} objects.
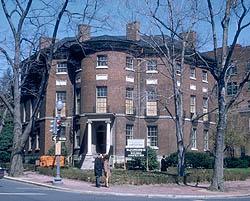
[{"x": 58, "y": 179}]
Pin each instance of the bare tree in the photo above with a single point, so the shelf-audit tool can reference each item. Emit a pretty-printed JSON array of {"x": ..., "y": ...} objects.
[
  {"x": 232, "y": 10},
  {"x": 16, "y": 15}
]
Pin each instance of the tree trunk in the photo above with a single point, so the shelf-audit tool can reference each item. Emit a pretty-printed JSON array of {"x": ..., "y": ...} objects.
[{"x": 218, "y": 173}]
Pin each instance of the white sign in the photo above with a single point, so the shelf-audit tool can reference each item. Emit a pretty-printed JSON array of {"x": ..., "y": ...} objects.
[{"x": 136, "y": 143}]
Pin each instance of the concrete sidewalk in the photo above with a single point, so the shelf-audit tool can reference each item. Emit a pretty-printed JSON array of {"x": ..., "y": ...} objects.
[{"x": 233, "y": 188}]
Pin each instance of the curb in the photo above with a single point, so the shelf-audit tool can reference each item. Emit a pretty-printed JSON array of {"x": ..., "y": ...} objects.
[{"x": 125, "y": 194}]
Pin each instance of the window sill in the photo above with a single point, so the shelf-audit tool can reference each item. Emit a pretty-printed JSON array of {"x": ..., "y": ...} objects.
[
  {"x": 152, "y": 71},
  {"x": 61, "y": 73},
  {"x": 101, "y": 67},
  {"x": 37, "y": 149},
  {"x": 76, "y": 147},
  {"x": 192, "y": 78},
  {"x": 204, "y": 81},
  {"x": 129, "y": 69},
  {"x": 154, "y": 147},
  {"x": 194, "y": 149}
]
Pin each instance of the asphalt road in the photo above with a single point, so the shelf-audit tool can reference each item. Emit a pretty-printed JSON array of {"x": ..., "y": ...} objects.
[{"x": 17, "y": 191}]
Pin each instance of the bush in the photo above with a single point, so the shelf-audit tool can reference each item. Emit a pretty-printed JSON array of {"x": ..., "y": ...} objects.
[
  {"x": 192, "y": 159},
  {"x": 235, "y": 163},
  {"x": 140, "y": 163},
  {"x": 247, "y": 158}
]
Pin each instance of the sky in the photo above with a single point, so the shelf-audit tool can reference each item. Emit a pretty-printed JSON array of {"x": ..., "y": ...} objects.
[{"x": 111, "y": 19}]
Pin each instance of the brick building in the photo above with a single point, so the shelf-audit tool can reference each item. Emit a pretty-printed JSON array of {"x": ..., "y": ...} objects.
[{"x": 115, "y": 88}]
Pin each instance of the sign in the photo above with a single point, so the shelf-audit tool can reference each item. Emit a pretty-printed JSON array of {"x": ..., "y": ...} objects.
[
  {"x": 136, "y": 143},
  {"x": 135, "y": 152},
  {"x": 62, "y": 139},
  {"x": 54, "y": 138}
]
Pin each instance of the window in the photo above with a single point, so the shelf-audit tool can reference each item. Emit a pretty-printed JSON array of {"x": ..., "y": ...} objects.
[
  {"x": 206, "y": 140},
  {"x": 192, "y": 105},
  {"x": 205, "y": 108},
  {"x": 102, "y": 60},
  {"x": 232, "y": 70},
  {"x": 129, "y": 101},
  {"x": 248, "y": 66},
  {"x": 151, "y": 103},
  {"x": 248, "y": 85},
  {"x": 194, "y": 139},
  {"x": 61, "y": 95},
  {"x": 129, "y": 63},
  {"x": 204, "y": 76},
  {"x": 101, "y": 99},
  {"x": 232, "y": 88},
  {"x": 192, "y": 72},
  {"x": 178, "y": 69},
  {"x": 61, "y": 67},
  {"x": 248, "y": 103},
  {"x": 78, "y": 101},
  {"x": 129, "y": 133},
  {"x": 152, "y": 65},
  {"x": 152, "y": 136},
  {"x": 24, "y": 112}
]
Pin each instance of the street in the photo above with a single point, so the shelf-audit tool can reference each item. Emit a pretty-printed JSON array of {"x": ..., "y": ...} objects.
[{"x": 17, "y": 191}]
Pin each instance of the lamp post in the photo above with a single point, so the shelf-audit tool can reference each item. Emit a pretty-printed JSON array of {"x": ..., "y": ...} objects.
[{"x": 58, "y": 179}]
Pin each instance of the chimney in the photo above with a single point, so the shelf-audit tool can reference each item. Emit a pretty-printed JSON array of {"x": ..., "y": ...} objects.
[
  {"x": 132, "y": 31},
  {"x": 191, "y": 39},
  {"x": 44, "y": 42},
  {"x": 83, "y": 32}
]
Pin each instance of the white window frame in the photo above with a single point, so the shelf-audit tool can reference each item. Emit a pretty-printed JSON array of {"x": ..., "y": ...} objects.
[
  {"x": 193, "y": 104},
  {"x": 205, "y": 108},
  {"x": 77, "y": 139},
  {"x": 101, "y": 99},
  {"x": 204, "y": 76},
  {"x": 30, "y": 143},
  {"x": 102, "y": 63},
  {"x": 152, "y": 66},
  {"x": 129, "y": 132},
  {"x": 206, "y": 140},
  {"x": 194, "y": 139},
  {"x": 37, "y": 142},
  {"x": 152, "y": 143},
  {"x": 129, "y": 101},
  {"x": 61, "y": 67},
  {"x": 63, "y": 111},
  {"x": 192, "y": 73},
  {"x": 129, "y": 63}
]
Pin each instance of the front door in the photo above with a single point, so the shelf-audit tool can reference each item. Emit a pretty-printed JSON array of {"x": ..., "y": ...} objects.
[{"x": 101, "y": 139}]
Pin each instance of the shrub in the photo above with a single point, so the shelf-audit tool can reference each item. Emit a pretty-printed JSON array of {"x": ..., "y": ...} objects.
[
  {"x": 192, "y": 159},
  {"x": 141, "y": 162},
  {"x": 247, "y": 158},
  {"x": 235, "y": 163}
]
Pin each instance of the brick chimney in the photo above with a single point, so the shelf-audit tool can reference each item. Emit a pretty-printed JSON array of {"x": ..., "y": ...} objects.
[
  {"x": 191, "y": 39},
  {"x": 83, "y": 32},
  {"x": 132, "y": 31},
  {"x": 44, "y": 42}
]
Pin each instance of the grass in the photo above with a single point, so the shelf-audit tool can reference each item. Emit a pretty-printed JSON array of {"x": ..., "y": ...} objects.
[{"x": 136, "y": 177}]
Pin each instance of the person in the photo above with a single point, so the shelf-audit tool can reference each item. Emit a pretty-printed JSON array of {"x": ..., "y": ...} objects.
[
  {"x": 163, "y": 164},
  {"x": 98, "y": 166},
  {"x": 106, "y": 168}
]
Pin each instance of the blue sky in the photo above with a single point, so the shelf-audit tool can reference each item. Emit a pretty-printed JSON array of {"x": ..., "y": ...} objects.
[{"x": 119, "y": 12}]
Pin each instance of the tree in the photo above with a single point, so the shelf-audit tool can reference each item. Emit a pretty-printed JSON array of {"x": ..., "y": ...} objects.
[
  {"x": 231, "y": 10},
  {"x": 17, "y": 15}
]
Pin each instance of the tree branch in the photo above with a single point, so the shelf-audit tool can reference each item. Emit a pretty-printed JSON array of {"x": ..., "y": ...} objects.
[{"x": 7, "y": 104}]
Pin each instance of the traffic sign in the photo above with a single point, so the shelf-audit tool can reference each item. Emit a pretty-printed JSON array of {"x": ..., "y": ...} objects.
[{"x": 54, "y": 138}]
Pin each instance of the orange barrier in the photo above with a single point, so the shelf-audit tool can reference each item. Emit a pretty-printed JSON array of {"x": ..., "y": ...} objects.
[{"x": 49, "y": 161}]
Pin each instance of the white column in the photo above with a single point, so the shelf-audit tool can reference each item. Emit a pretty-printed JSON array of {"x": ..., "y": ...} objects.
[
  {"x": 108, "y": 136},
  {"x": 89, "y": 148}
]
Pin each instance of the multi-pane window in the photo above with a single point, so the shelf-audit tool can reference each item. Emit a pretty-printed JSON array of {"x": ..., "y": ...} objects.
[
  {"x": 101, "y": 99},
  {"x": 153, "y": 136},
  {"x": 129, "y": 101},
  {"x": 248, "y": 85},
  {"x": 248, "y": 66},
  {"x": 61, "y": 95},
  {"x": 102, "y": 60},
  {"x": 152, "y": 65},
  {"x": 206, "y": 140},
  {"x": 232, "y": 70},
  {"x": 192, "y": 72},
  {"x": 232, "y": 88},
  {"x": 194, "y": 139},
  {"x": 129, "y": 63},
  {"x": 78, "y": 101},
  {"x": 129, "y": 133},
  {"x": 204, "y": 76},
  {"x": 178, "y": 69},
  {"x": 151, "y": 103},
  {"x": 205, "y": 108},
  {"x": 192, "y": 105},
  {"x": 30, "y": 143},
  {"x": 61, "y": 67}
]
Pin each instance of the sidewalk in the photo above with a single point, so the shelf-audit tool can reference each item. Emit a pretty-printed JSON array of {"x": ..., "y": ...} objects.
[{"x": 233, "y": 188}]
